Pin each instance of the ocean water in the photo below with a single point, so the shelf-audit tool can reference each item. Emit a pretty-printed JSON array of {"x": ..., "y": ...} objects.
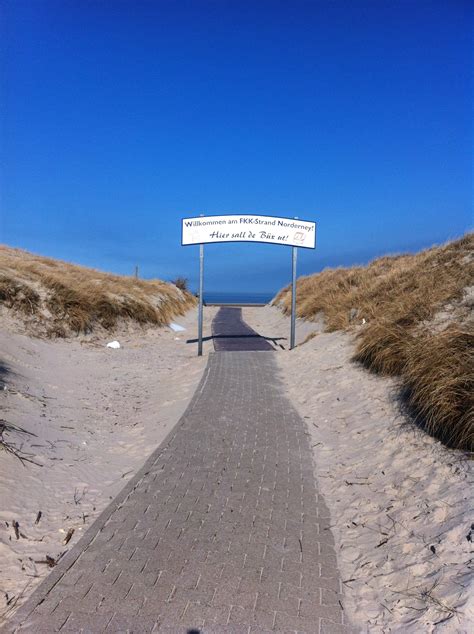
[{"x": 237, "y": 298}]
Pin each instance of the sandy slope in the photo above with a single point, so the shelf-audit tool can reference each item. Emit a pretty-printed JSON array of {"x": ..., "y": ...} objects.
[
  {"x": 97, "y": 414},
  {"x": 399, "y": 500}
]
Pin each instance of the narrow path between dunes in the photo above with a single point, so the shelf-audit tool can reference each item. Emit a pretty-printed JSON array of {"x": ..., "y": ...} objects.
[
  {"x": 222, "y": 530},
  {"x": 231, "y": 333}
]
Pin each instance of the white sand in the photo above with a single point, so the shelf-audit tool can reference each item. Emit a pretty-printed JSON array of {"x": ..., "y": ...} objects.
[
  {"x": 399, "y": 500},
  {"x": 97, "y": 413}
]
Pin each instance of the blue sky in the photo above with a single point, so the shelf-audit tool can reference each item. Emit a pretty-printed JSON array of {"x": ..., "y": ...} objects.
[{"x": 120, "y": 117}]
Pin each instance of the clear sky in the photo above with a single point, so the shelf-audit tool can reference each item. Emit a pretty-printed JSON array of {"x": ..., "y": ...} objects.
[{"x": 119, "y": 117}]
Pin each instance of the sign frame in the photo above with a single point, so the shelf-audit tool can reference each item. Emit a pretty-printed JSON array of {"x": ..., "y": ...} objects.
[
  {"x": 243, "y": 215},
  {"x": 294, "y": 253}
]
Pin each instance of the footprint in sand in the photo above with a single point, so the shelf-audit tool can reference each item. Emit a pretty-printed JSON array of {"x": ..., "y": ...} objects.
[
  {"x": 409, "y": 548},
  {"x": 440, "y": 514},
  {"x": 420, "y": 570},
  {"x": 350, "y": 554}
]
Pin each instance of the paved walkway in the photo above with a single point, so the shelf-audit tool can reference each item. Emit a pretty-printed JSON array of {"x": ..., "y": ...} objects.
[
  {"x": 231, "y": 333},
  {"x": 221, "y": 531}
]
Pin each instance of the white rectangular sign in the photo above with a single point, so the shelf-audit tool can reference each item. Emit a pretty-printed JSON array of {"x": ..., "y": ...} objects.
[{"x": 249, "y": 228}]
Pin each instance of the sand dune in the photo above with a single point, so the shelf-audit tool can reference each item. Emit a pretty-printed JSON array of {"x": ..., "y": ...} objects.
[{"x": 399, "y": 500}]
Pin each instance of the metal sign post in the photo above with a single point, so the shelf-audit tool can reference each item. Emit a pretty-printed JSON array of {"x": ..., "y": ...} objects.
[
  {"x": 294, "y": 255},
  {"x": 201, "y": 288},
  {"x": 293, "y": 297}
]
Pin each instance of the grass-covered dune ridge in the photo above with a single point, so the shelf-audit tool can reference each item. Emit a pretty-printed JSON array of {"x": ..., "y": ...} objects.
[
  {"x": 419, "y": 326},
  {"x": 55, "y": 298}
]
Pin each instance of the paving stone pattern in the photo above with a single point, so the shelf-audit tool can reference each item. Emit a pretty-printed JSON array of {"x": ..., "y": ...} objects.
[
  {"x": 221, "y": 531},
  {"x": 230, "y": 332}
]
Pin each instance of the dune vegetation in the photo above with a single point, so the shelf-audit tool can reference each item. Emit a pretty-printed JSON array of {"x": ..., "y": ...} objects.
[
  {"x": 57, "y": 299},
  {"x": 412, "y": 316}
]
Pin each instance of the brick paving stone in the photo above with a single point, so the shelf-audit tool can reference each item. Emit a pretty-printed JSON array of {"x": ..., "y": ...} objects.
[
  {"x": 222, "y": 530},
  {"x": 328, "y": 627}
]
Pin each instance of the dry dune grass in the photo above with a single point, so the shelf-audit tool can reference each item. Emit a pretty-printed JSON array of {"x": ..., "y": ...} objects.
[
  {"x": 419, "y": 326},
  {"x": 54, "y": 298}
]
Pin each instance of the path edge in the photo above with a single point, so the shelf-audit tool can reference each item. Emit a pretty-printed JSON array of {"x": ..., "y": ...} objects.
[{"x": 69, "y": 559}]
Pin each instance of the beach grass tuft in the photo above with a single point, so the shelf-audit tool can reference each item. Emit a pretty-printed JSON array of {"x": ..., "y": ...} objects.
[{"x": 413, "y": 318}]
